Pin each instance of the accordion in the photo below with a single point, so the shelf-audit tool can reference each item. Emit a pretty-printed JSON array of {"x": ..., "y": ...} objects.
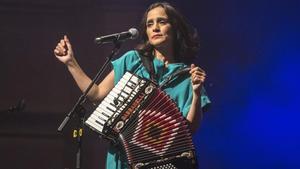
[{"x": 146, "y": 123}]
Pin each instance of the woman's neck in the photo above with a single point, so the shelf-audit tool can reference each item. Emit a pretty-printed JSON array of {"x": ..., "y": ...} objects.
[{"x": 165, "y": 56}]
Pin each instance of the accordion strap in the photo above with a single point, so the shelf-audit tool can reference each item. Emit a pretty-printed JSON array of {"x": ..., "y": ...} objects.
[
  {"x": 169, "y": 79},
  {"x": 148, "y": 63}
]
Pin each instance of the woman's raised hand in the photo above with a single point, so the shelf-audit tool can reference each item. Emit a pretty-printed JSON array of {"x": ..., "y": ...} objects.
[
  {"x": 198, "y": 76},
  {"x": 64, "y": 52}
]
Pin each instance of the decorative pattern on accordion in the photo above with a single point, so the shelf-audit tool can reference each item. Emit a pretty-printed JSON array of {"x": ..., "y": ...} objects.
[{"x": 158, "y": 132}]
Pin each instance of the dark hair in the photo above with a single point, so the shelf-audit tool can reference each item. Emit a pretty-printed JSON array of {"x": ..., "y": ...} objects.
[{"x": 186, "y": 44}]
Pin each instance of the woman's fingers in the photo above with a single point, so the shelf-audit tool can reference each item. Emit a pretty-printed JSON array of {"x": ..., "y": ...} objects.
[
  {"x": 59, "y": 51},
  {"x": 67, "y": 42},
  {"x": 56, "y": 51},
  {"x": 196, "y": 78},
  {"x": 194, "y": 69},
  {"x": 61, "y": 48},
  {"x": 198, "y": 75}
]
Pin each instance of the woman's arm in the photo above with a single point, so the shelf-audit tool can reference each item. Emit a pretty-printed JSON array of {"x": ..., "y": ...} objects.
[
  {"x": 64, "y": 53},
  {"x": 195, "y": 113}
]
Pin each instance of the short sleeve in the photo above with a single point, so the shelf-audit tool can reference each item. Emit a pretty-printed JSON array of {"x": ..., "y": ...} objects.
[
  {"x": 205, "y": 101},
  {"x": 128, "y": 62}
]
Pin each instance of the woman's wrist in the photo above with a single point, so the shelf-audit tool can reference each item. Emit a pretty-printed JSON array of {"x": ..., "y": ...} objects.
[
  {"x": 196, "y": 93},
  {"x": 72, "y": 64}
]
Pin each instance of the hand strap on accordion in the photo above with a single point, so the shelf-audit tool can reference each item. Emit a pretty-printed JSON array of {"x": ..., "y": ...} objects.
[{"x": 169, "y": 79}]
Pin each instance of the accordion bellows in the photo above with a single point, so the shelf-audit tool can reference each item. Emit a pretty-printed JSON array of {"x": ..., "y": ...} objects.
[{"x": 146, "y": 123}]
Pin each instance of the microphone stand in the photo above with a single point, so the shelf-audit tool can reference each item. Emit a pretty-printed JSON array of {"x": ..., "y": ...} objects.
[{"x": 79, "y": 109}]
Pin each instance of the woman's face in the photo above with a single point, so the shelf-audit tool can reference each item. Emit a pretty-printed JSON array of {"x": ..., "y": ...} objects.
[{"x": 159, "y": 28}]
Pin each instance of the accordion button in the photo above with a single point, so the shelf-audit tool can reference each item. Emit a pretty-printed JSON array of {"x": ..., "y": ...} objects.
[{"x": 116, "y": 102}]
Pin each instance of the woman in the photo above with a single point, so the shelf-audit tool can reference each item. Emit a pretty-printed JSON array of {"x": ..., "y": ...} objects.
[{"x": 167, "y": 41}]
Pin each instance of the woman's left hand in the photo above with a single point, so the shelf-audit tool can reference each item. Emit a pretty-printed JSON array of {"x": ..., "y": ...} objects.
[{"x": 197, "y": 78}]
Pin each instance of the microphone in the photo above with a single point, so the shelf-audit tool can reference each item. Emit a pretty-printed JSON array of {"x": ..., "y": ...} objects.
[{"x": 132, "y": 33}]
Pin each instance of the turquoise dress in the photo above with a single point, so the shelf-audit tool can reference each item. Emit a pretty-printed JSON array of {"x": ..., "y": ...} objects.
[{"x": 180, "y": 90}]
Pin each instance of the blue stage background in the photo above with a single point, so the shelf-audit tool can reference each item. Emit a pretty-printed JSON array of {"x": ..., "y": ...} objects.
[{"x": 252, "y": 49}]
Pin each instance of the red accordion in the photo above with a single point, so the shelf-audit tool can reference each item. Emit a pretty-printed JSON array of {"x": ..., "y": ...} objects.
[{"x": 146, "y": 123}]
